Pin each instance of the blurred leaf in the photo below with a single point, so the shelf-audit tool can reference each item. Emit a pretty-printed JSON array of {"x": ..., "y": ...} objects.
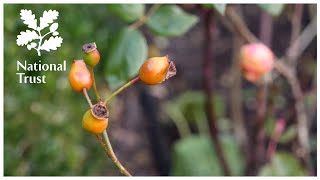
[
  {"x": 127, "y": 12},
  {"x": 127, "y": 51},
  {"x": 195, "y": 156},
  {"x": 272, "y": 9},
  {"x": 289, "y": 134},
  {"x": 269, "y": 125},
  {"x": 171, "y": 20},
  {"x": 219, "y": 7},
  {"x": 283, "y": 164},
  {"x": 191, "y": 104}
]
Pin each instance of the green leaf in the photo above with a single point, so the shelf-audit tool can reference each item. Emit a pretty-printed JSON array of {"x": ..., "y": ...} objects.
[
  {"x": 171, "y": 20},
  {"x": 127, "y": 52},
  {"x": 127, "y": 12},
  {"x": 219, "y": 7},
  {"x": 288, "y": 135},
  {"x": 272, "y": 9},
  {"x": 283, "y": 164},
  {"x": 195, "y": 156},
  {"x": 191, "y": 105}
]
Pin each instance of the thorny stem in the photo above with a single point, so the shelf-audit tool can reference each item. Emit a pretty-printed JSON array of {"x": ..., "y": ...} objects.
[
  {"x": 94, "y": 84},
  {"x": 84, "y": 90},
  {"x": 208, "y": 88},
  {"x": 144, "y": 19},
  {"x": 113, "y": 157},
  {"x": 121, "y": 89}
]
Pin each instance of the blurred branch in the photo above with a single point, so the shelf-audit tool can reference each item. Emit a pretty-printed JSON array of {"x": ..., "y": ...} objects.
[
  {"x": 294, "y": 51},
  {"x": 302, "y": 120},
  {"x": 266, "y": 28},
  {"x": 272, "y": 146},
  {"x": 301, "y": 43},
  {"x": 155, "y": 134},
  {"x": 257, "y": 149},
  {"x": 235, "y": 97},
  {"x": 295, "y": 26},
  {"x": 238, "y": 25},
  {"x": 144, "y": 19},
  {"x": 208, "y": 86}
]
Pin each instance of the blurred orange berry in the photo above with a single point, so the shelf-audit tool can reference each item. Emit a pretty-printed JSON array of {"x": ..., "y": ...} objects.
[{"x": 256, "y": 59}]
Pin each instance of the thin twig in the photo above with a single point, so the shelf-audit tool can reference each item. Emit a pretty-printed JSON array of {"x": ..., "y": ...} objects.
[
  {"x": 84, "y": 90},
  {"x": 121, "y": 89},
  {"x": 107, "y": 140},
  {"x": 94, "y": 84},
  {"x": 143, "y": 19},
  {"x": 113, "y": 157},
  {"x": 209, "y": 90}
]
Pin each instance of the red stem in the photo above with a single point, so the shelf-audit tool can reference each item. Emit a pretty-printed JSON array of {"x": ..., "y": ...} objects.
[
  {"x": 208, "y": 85},
  {"x": 279, "y": 127}
]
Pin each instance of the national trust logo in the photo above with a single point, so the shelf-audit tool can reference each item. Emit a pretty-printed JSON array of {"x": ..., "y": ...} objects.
[{"x": 39, "y": 37}]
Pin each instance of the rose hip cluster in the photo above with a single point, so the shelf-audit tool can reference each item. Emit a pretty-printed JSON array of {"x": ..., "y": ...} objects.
[
  {"x": 256, "y": 60},
  {"x": 95, "y": 120}
]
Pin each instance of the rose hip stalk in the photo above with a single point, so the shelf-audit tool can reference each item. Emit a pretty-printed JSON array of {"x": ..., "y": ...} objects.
[{"x": 95, "y": 120}]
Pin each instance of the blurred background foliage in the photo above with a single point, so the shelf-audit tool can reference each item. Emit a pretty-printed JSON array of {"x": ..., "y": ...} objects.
[{"x": 42, "y": 122}]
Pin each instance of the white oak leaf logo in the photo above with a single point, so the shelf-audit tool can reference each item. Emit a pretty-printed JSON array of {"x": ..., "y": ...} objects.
[
  {"x": 28, "y": 18},
  {"x": 51, "y": 44},
  {"x": 47, "y": 18},
  {"x": 43, "y": 41},
  {"x": 26, "y": 37}
]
